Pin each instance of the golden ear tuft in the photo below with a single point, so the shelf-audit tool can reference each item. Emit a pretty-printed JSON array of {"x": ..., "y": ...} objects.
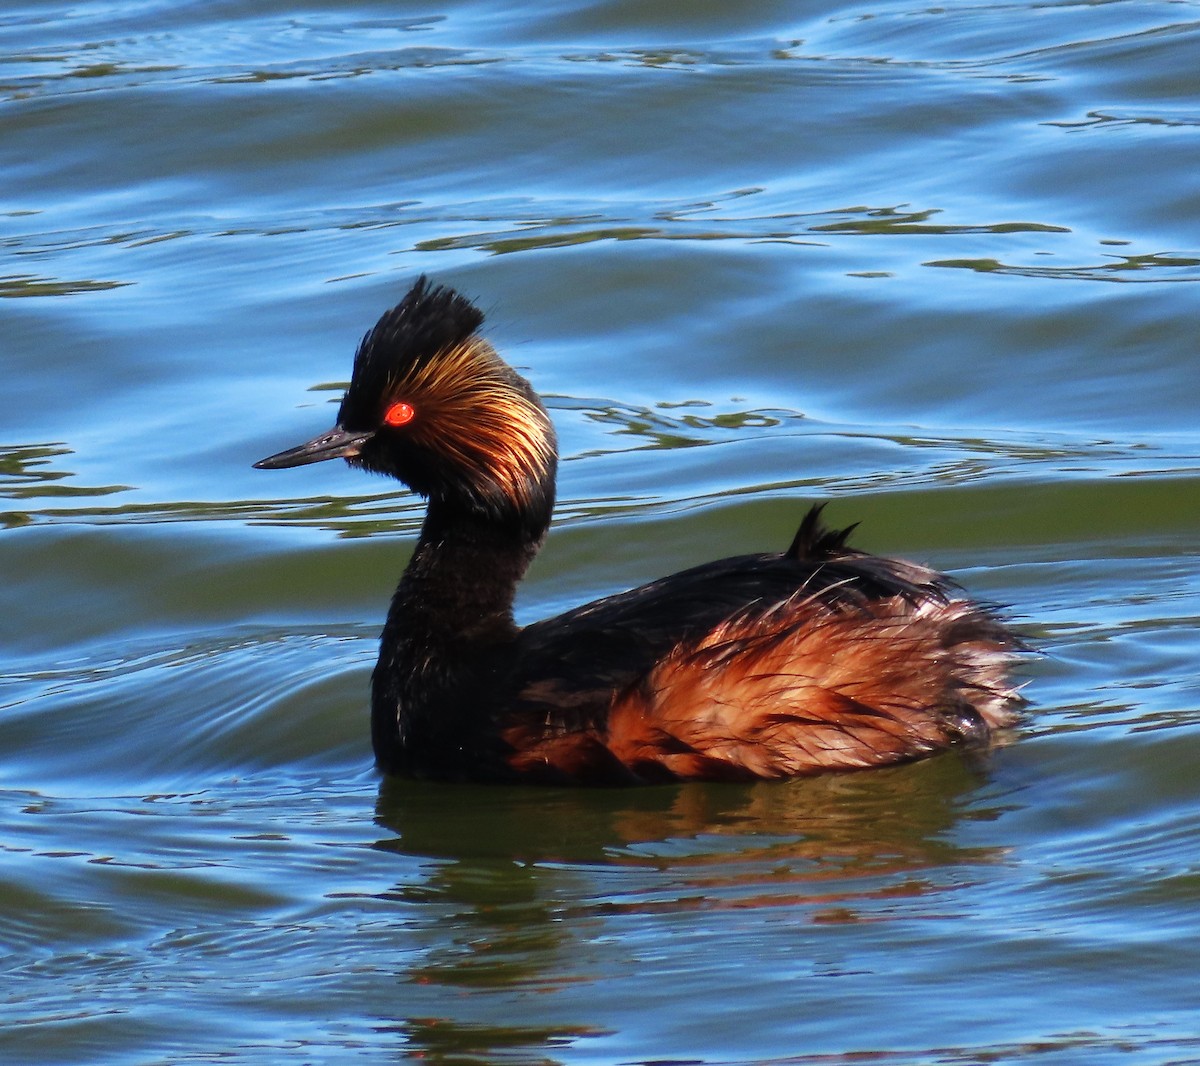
[{"x": 481, "y": 416}]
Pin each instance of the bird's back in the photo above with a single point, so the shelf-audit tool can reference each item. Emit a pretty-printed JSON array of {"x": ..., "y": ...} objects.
[{"x": 818, "y": 658}]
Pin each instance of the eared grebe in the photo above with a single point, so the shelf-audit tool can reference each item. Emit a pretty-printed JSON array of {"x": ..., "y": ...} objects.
[{"x": 818, "y": 658}]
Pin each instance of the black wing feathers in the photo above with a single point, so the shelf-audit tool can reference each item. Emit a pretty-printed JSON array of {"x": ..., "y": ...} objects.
[{"x": 569, "y": 667}]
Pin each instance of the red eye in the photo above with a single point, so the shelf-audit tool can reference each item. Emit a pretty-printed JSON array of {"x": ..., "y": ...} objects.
[{"x": 399, "y": 414}]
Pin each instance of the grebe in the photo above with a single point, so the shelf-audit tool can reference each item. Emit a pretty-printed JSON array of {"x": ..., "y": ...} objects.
[{"x": 818, "y": 658}]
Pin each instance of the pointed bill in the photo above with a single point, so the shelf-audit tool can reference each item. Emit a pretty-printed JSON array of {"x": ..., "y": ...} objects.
[{"x": 336, "y": 443}]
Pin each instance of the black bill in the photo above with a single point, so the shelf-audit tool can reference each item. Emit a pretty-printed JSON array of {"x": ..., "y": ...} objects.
[{"x": 337, "y": 443}]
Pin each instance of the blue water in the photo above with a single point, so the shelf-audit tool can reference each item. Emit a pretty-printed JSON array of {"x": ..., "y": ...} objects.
[{"x": 935, "y": 265}]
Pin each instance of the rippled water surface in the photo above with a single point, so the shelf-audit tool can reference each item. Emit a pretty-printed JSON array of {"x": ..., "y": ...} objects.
[{"x": 935, "y": 265}]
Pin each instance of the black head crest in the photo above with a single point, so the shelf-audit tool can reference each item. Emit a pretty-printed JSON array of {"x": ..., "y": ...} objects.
[{"x": 429, "y": 320}]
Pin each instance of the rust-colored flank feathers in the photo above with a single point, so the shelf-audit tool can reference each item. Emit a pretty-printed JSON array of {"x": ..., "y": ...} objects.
[{"x": 815, "y": 659}]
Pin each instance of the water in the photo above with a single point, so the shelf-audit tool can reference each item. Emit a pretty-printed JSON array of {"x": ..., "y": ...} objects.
[{"x": 934, "y": 264}]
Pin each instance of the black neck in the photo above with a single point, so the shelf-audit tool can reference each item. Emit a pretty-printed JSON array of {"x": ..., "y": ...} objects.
[
  {"x": 447, "y": 629},
  {"x": 463, "y": 575}
]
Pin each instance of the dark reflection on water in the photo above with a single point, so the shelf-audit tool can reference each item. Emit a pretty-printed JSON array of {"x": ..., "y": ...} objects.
[
  {"x": 33, "y": 285},
  {"x": 1148, "y": 268},
  {"x": 691, "y": 222},
  {"x": 660, "y": 430},
  {"x": 529, "y": 879},
  {"x": 894, "y": 220},
  {"x": 21, "y": 464},
  {"x": 32, "y": 472},
  {"x": 855, "y": 817}
]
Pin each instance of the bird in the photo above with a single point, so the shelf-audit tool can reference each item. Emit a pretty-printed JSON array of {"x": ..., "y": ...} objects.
[{"x": 771, "y": 665}]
